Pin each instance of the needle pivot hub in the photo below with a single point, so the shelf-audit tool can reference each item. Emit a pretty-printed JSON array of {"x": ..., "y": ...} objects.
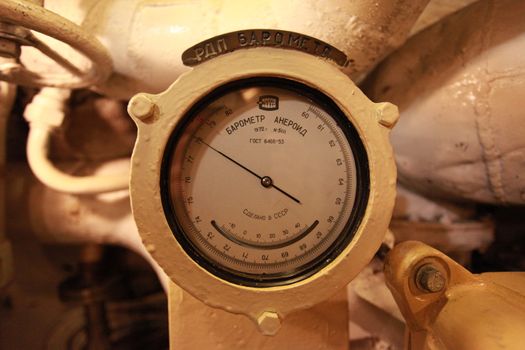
[{"x": 266, "y": 181}]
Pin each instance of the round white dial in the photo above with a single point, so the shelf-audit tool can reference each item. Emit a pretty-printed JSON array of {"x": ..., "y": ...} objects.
[{"x": 263, "y": 182}]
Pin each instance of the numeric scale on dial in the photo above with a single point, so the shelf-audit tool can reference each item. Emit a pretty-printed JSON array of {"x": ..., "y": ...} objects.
[{"x": 263, "y": 179}]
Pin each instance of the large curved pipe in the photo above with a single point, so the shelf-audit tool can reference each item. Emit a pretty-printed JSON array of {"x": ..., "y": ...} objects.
[
  {"x": 147, "y": 37},
  {"x": 459, "y": 85}
]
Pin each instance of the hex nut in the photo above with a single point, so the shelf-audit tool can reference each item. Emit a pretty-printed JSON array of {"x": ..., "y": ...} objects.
[
  {"x": 387, "y": 114},
  {"x": 429, "y": 279},
  {"x": 269, "y": 323}
]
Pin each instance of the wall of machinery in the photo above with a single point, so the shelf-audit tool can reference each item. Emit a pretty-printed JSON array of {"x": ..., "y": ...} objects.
[{"x": 262, "y": 175}]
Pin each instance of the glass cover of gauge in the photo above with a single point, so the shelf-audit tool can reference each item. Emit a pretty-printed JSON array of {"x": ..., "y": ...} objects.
[{"x": 264, "y": 182}]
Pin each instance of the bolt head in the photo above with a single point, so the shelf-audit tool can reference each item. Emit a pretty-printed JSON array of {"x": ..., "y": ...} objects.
[
  {"x": 387, "y": 114},
  {"x": 429, "y": 279},
  {"x": 141, "y": 107},
  {"x": 269, "y": 323}
]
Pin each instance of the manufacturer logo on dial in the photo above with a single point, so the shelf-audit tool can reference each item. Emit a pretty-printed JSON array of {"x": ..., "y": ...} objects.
[{"x": 268, "y": 103}]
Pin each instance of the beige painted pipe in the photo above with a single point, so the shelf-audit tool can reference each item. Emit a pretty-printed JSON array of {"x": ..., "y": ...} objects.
[
  {"x": 146, "y": 38},
  {"x": 460, "y": 86},
  {"x": 71, "y": 219},
  {"x": 45, "y": 113}
]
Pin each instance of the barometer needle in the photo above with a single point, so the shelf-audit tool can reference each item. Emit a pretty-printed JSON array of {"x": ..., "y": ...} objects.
[{"x": 250, "y": 171}]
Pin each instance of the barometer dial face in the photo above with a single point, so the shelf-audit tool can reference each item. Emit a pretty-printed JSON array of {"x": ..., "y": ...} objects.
[{"x": 264, "y": 182}]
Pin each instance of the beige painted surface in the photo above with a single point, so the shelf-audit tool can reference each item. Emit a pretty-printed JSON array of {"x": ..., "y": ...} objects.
[
  {"x": 196, "y": 326},
  {"x": 86, "y": 62},
  {"x": 459, "y": 85},
  {"x": 437, "y": 10}
]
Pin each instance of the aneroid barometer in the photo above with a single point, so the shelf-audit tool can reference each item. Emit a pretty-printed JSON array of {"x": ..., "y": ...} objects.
[{"x": 262, "y": 180}]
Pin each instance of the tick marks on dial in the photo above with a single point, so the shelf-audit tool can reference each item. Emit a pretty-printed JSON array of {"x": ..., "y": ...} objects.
[{"x": 230, "y": 236}]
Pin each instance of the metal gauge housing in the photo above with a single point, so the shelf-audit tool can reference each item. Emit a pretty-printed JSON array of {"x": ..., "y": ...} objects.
[{"x": 264, "y": 181}]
